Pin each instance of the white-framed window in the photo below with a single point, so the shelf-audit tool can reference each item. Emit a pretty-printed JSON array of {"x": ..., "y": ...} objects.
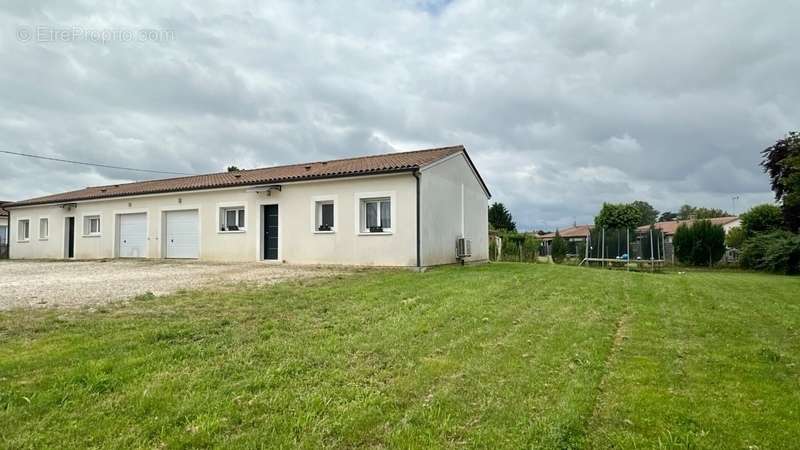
[
  {"x": 324, "y": 216},
  {"x": 232, "y": 219},
  {"x": 44, "y": 228},
  {"x": 376, "y": 215},
  {"x": 91, "y": 225},
  {"x": 24, "y": 230}
]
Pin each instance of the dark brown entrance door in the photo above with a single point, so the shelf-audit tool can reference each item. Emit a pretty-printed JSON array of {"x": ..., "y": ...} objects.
[{"x": 271, "y": 232}]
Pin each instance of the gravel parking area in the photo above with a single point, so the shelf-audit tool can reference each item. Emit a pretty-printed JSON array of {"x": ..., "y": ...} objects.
[{"x": 34, "y": 284}]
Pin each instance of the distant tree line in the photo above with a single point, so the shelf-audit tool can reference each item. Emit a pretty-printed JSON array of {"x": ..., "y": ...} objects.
[{"x": 641, "y": 213}]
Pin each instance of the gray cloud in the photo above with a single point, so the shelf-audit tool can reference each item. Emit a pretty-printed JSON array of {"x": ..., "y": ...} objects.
[{"x": 562, "y": 106}]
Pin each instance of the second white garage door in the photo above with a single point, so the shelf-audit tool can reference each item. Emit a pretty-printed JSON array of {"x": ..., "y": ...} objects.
[
  {"x": 182, "y": 234},
  {"x": 132, "y": 235}
]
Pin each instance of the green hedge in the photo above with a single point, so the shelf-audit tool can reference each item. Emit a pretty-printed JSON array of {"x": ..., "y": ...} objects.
[
  {"x": 701, "y": 244},
  {"x": 520, "y": 247},
  {"x": 777, "y": 252}
]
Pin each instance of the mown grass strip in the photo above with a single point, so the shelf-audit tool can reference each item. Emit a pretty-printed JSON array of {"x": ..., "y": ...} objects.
[{"x": 500, "y": 356}]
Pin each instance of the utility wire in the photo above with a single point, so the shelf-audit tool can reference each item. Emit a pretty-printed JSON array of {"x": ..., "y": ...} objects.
[{"x": 92, "y": 164}]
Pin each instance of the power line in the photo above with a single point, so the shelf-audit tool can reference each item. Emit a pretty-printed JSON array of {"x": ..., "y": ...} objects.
[{"x": 92, "y": 164}]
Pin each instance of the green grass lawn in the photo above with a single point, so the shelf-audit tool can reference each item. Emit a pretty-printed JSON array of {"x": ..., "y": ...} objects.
[{"x": 495, "y": 356}]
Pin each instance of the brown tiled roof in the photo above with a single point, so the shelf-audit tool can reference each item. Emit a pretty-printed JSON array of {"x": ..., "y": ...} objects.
[
  {"x": 571, "y": 232},
  {"x": 364, "y": 165},
  {"x": 669, "y": 227}
]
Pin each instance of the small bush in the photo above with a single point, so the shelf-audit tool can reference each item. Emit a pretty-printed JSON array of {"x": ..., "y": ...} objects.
[{"x": 777, "y": 252}]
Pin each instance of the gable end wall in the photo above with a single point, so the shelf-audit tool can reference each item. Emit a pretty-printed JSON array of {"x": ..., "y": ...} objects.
[{"x": 442, "y": 212}]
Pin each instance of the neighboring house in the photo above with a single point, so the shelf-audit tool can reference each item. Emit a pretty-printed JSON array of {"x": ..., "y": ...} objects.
[
  {"x": 398, "y": 209},
  {"x": 575, "y": 233},
  {"x": 670, "y": 227}
]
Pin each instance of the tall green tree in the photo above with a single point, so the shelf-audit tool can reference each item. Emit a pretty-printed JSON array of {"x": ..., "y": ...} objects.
[
  {"x": 762, "y": 219},
  {"x": 618, "y": 215},
  {"x": 700, "y": 244},
  {"x": 647, "y": 213},
  {"x": 781, "y": 162},
  {"x": 709, "y": 243},
  {"x": 558, "y": 249},
  {"x": 233, "y": 169},
  {"x": 683, "y": 243},
  {"x": 500, "y": 218}
]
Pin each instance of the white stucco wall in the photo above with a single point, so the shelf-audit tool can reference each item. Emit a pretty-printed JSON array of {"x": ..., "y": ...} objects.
[
  {"x": 727, "y": 227},
  {"x": 453, "y": 203},
  {"x": 298, "y": 242}
]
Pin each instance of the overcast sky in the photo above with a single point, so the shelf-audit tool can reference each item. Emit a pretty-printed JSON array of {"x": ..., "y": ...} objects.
[{"x": 561, "y": 106}]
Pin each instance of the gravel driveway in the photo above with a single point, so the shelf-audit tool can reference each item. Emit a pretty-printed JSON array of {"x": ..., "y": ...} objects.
[{"x": 79, "y": 283}]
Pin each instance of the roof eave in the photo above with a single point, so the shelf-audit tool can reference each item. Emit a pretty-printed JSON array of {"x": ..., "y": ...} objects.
[{"x": 221, "y": 186}]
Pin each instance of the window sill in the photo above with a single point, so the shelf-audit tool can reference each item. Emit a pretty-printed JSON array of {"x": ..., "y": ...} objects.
[
  {"x": 43, "y": 239},
  {"x": 96, "y": 235},
  {"x": 231, "y": 232},
  {"x": 23, "y": 241},
  {"x": 324, "y": 232},
  {"x": 380, "y": 233}
]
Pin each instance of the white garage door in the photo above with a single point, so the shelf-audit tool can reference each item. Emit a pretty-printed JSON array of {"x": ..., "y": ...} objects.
[
  {"x": 182, "y": 234},
  {"x": 132, "y": 235}
]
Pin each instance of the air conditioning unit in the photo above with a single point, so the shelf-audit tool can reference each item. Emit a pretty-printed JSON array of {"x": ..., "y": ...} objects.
[{"x": 463, "y": 248}]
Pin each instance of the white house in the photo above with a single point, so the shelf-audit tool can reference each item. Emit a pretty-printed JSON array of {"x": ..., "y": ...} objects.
[{"x": 398, "y": 209}]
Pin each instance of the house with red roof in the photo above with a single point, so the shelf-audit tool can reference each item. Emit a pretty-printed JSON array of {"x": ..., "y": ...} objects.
[{"x": 417, "y": 208}]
